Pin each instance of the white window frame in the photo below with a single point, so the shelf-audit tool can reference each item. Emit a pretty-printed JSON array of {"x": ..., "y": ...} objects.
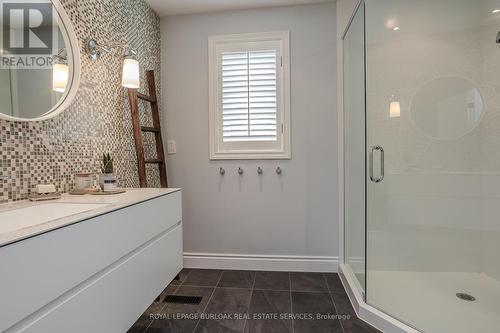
[{"x": 220, "y": 150}]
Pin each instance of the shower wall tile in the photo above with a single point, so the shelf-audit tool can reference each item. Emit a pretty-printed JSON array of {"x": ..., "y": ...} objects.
[{"x": 98, "y": 120}]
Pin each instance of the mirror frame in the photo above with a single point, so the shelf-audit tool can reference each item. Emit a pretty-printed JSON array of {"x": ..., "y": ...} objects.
[{"x": 71, "y": 40}]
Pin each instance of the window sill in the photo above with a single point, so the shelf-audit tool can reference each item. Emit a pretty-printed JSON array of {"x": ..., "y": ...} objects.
[{"x": 251, "y": 156}]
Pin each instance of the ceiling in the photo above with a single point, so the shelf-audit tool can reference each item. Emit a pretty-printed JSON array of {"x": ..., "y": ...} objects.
[{"x": 176, "y": 7}]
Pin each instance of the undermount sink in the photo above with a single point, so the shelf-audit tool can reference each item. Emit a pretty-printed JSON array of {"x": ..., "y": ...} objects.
[{"x": 25, "y": 217}]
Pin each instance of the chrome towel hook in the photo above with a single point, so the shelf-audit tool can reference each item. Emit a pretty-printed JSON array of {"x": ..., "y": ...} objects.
[
  {"x": 240, "y": 171},
  {"x": 279, "y": 171},
  {"x": 222, "y": 171},
  {"x": 260, "y": 171}
]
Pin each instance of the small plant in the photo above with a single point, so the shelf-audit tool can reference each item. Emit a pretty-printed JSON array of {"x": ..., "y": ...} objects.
[{"x": 107, "y": 164}]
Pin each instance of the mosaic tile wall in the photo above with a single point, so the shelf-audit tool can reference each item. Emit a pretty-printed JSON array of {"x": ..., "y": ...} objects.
[{"x": 99, "y": 118}]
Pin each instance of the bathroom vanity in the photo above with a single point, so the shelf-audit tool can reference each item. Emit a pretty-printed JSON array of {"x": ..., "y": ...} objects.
[{"x": 89, "y": 263}]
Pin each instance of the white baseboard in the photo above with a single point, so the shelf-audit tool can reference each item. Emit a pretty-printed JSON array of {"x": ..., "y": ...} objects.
[{"x": 261, "y": 262}]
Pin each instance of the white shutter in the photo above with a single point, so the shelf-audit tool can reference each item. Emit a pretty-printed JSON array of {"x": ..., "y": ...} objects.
[{"x": 249, "y": 96}]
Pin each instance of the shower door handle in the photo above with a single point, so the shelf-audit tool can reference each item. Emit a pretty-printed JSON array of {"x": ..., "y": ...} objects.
[{"x": 372, "y": 177}]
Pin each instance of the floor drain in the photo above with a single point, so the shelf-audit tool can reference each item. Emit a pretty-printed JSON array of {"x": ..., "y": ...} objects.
[{"x": 466, "y": 297}]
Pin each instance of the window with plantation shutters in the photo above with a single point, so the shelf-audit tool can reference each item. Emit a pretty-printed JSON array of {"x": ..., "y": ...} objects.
[
  {"x": 249, "y": 96},
  {"x": 249, "y": 100}
]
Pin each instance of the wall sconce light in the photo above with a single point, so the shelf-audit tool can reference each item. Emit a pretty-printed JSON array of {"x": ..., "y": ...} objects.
[
  {"x": 130, "y": 71},
  {"x": 60, "y": 71},
  {"x": 394, "y": 107}
]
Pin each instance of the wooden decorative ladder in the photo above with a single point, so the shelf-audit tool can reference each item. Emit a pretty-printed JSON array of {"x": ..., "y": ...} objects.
[{"x": 133, "y": 96}]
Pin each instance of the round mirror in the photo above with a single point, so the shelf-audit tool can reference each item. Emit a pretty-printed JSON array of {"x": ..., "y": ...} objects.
[
  {"x": 39, "y": 60},
  {"x": 447, "y": 107}
]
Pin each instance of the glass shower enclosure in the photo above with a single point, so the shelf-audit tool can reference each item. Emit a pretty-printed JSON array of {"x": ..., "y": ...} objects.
[{"x": 421, "y": 96}]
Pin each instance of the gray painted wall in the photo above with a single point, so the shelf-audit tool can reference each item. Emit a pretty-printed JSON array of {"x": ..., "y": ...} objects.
[{"x": 295, "y": 214}]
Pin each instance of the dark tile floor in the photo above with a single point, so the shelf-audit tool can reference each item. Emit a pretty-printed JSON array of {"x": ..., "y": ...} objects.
[{"x": 253, "y": 302}]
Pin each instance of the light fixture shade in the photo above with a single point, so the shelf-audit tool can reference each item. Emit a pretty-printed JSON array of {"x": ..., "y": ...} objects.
[
  {"x": 130, "y": 76},
  {"x": 394, "y": 107},
  {"x": 60, "y": 74}
]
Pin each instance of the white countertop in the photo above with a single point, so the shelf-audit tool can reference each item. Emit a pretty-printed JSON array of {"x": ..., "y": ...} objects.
[{"x": 98, "y": 205}]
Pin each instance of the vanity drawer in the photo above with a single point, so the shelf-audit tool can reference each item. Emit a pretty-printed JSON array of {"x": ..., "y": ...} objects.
[
  {"x": 38, "y": 270},
  {"x": 113, "y": 301}
]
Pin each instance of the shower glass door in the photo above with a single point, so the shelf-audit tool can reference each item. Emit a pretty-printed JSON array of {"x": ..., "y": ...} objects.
[
  {"x": 433, "y": 153},
  {"x": 354, "y": 147}
]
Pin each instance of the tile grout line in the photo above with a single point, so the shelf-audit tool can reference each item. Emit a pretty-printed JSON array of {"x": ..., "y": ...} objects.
[
  {"x": 237, "y": 288},
  {"x": 259, "y": 289},
  {"x": 209, "y": 300},
  {"x": 310, "y": 291},
  {"x": 291, "y": 301},
  {"x": 250, "y": 301},
  {"x": 333, "y": 302},
  {"x": 264, "y": 289}
]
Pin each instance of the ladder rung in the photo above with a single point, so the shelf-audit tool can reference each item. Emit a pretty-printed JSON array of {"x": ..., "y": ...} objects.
[
  {"x": 146, "y": 98},
  {"x": 150, "y": 129},
  {"x": 153, "y": 161}
]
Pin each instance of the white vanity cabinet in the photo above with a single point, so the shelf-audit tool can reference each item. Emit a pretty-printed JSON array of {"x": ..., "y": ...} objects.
[{"x": 96, "y": 275}]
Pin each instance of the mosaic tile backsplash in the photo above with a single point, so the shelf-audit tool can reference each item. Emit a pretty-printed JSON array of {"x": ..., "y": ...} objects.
[{"x": 98, "y": 120}]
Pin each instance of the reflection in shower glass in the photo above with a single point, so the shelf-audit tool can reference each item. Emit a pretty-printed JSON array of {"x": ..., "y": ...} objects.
[{"x": 447, "y": 107}]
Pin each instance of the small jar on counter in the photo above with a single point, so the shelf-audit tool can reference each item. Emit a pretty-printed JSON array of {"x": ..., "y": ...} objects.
[
  {"x": 110, "y": 185},
  {"x": 83, "y": 181}
]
